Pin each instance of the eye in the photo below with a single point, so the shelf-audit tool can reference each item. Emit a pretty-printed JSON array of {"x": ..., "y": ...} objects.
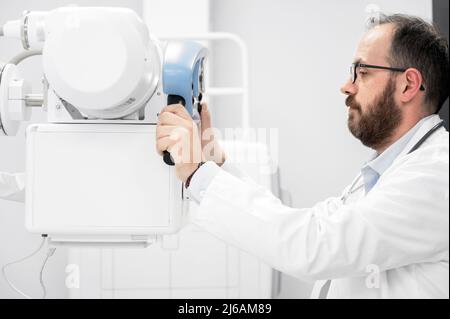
[{"x": 362, "y": 72}]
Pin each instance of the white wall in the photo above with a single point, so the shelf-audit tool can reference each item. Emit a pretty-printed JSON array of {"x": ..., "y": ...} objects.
[
  {"x": 300, "y": 53},
  {"x": 15, "y": 242},
  {"x": 176, "y": 17}
]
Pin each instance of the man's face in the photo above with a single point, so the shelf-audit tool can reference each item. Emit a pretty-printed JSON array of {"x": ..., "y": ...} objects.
[{"x": 373, "y": 113}]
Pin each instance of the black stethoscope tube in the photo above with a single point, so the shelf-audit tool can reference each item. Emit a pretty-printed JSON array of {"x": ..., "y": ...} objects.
[{"x": 426, "y": 136}]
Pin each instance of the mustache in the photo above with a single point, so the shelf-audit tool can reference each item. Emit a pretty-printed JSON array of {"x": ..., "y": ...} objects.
[{"x": 351, "y": 103}]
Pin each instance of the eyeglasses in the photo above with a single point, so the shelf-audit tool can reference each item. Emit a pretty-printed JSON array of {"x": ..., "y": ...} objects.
[{"x": 355, "y": 66}]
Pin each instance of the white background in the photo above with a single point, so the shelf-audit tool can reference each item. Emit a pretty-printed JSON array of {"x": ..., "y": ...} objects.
[{"x": 300, "y": 52}]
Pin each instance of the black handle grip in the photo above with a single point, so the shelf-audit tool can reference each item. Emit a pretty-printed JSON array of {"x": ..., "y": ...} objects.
[
  {"x": 175, "y": 99},
  {"x": 172, "y": 99},
  {"x": 168, "y": 159}
]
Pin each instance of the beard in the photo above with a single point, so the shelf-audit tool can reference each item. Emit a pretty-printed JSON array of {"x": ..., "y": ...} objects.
[{"x": 375, "y": 127}]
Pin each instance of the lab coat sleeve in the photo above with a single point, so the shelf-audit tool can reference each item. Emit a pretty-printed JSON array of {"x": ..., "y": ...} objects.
[
  {"x": 12, "y": 187},
  {"x": 402, "y": 221},
  {"x": 204, "y": 176},
  {"x": 236, "y": 171}
]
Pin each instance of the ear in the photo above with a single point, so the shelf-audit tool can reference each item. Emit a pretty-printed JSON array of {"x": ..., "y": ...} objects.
[{"x": 411, "y": 84}]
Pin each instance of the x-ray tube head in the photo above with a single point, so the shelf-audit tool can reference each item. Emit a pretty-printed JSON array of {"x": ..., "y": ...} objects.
[{"x": 117, "y": 71}]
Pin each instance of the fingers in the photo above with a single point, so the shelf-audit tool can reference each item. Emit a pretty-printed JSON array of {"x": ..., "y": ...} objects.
[
  {"x": 166, "y": 143},
  {"x": 205, "y": 117},
  {"x": 206, "y": 122},
  {"x": 163, "y": 144},
  {"x": 177, "y": 109},
  {"x": 164, "y": 130},
  {"x": 172, "y": 119},
  {"x": 181, "y": 146},
  {"x": 169, "y": 136},
  {"x": 175, "y": 125}
]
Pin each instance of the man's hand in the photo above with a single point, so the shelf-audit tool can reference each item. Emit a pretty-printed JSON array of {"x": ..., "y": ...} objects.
[
  {"x": 211, "y": 148},
  {"x": 178, "y": 134}
]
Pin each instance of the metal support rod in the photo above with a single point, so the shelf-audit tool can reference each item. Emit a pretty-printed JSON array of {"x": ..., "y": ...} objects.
[{"x": 34, "y": 100}]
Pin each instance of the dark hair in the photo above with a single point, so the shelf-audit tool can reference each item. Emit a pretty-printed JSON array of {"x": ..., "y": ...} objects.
[{"x": 418, "y": 44}]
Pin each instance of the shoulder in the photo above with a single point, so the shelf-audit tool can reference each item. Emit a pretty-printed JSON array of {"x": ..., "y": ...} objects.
[
  {"x": 431, "y": 160},
  {"x": 434, "y": 149}
]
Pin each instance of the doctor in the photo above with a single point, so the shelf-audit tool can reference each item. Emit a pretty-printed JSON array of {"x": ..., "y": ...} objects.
[{"x": 387, "y": 234}]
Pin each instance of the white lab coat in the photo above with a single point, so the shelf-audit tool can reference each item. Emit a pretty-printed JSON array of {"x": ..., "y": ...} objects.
[{"x": 391, "y": 243}]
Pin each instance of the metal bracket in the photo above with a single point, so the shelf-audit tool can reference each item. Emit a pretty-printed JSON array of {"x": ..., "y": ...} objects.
[
  {"x": 24, "y": 31},
  {"x": 2, "y": 130},
  {"x": 73, "y": 111}
]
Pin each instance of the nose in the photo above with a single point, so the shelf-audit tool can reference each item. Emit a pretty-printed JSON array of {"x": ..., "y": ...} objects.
[{"x": 349, "y": 88}]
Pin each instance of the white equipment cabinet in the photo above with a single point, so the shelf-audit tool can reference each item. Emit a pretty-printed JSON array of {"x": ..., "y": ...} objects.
[{"x": 113, "y": 171}]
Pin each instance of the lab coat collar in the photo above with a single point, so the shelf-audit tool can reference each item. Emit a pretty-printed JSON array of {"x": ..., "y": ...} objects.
[
  {"x": 380, "y": 163},
  {"x": 426, "y": 126}
]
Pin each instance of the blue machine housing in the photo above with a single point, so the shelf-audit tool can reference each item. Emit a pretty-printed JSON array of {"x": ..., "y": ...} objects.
[{"x": 182, "y": 71}]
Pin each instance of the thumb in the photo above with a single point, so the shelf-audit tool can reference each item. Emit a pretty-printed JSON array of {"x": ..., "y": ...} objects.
[
  {"x": 207, "y": 135},
  {"x": 205, "y": 117}
]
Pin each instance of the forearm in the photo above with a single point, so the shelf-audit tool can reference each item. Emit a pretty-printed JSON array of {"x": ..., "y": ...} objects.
[{"x": 203, "y": 177}]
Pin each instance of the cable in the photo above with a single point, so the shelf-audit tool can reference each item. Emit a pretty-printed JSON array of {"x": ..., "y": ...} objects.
[
  {"x": 50, "y": 253},
  {"x": 24, "y": 55},
  {"x": 17, "y": 262}
]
